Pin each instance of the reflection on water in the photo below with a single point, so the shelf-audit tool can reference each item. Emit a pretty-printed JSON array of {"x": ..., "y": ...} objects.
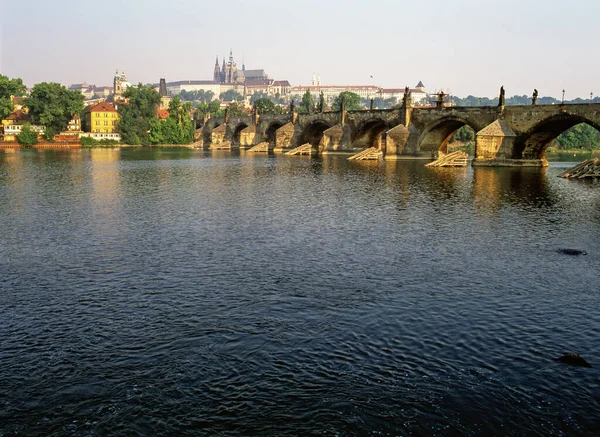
[{"x": 181, "y": 292}]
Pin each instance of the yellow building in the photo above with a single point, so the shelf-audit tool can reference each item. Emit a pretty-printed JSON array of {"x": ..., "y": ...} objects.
[{"x": 101, "y": 118}]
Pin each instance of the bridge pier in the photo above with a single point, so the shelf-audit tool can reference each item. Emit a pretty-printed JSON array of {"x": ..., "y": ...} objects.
[
  {"x": 336, "y": 139},
  {"x": 495, "y": 146},
  {"x": 402, "y": 142},
  {"x": 248, "y": 137},
  {"x": 284, "y": 137}
]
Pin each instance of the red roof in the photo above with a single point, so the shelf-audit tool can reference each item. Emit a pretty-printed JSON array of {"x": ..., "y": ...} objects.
[
  {"x": 103, "y": 107},
  {"x": 18, "y": 116},
  {"x": 163, "y": 114}
]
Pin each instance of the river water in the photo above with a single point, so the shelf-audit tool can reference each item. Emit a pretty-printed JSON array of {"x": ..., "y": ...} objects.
[{"x": 180, "y": 292}]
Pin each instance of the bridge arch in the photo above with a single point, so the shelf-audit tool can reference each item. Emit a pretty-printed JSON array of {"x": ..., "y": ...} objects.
[
  {"x": 271, "y": 130},
  {"x": 534, "y": 143},
  {"x": 208, "y": 128},
  {"x": 237, "y": 133},
  {"x": 370, "y": 133},
  {"x": 437, "y": 135},
  {"x": 313, "y": 132}
]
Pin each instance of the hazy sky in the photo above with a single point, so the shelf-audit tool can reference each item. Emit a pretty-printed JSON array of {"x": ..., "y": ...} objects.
[{"x": 462, "y": 46}]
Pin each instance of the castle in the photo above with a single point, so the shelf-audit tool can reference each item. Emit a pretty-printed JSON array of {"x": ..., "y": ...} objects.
[{"x": 230, "y": 74}]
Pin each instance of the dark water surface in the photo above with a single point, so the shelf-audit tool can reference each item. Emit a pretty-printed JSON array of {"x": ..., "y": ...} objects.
[{"x": 163, "y": 292}]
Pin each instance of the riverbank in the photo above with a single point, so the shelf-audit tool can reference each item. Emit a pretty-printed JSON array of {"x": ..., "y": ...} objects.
[{"x": 571, "y": 155}]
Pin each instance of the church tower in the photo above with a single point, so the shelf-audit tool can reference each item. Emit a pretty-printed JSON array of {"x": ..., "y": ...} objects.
[
  {"x": 217, "y": 74},
  {"x": 119, "y": 84}
]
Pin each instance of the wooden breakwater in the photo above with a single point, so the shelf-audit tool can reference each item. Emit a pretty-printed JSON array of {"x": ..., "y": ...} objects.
[
  {"x": 585, "y": 169},
  {"x": 454, "y": 159}
]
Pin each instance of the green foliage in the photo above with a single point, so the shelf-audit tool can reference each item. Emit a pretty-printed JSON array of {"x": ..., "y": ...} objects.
[
  {"x": 307, "y": 105},
  {"x": 258, "y": 96},
  {"x": 197, "y": 96},
  {"x": 134, "y": 117},
  {"x": 265, "y": 106},
  {"x": 380, "y": 103},
  {"x": 352, "y": 101},
  {"x": 581, "y": 136},
  {"x": 91, "y": 142},
  {"x": 235, "y": 109},
  {"x": 231, "y": 96},
  {"x": 213, "y": 108},
  {"x": 48, "y": 134},
  {"x": 178, "y": 128},
  {"x": 28, "y": 137},
  {"x": 53, "y": 105},
  {"x": 464, "y": 134},
  {"x": 9, "y": 87}
]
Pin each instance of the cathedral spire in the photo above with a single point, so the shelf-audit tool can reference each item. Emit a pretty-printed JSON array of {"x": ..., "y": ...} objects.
[{"x": 217, "y": 71}]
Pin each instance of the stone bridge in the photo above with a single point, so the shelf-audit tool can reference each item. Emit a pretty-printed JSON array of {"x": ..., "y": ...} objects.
[{"x": 505, "y": 135}]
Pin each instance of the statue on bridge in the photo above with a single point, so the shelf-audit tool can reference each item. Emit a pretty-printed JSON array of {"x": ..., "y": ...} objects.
[
  {"x": 501, "y": 99},
  {"x": 254, "y": 114},
  {"x": 292, "y": 107},
  {"x": 406, "y": 98},
  {"x": 440, "y": 100},
  {"x": 321, "y": 102},
  {"x": 534, "y": 97},
  {"x": 371, "y": 104}
]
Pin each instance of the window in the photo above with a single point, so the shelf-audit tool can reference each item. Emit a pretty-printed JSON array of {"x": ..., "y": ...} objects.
[
  {"x": 97, "y": 122},
  {"x": 105, "y": 122}
]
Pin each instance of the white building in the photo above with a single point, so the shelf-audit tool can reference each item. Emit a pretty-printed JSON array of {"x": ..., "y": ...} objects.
[
  {"x": 14, "y": 130},
  {"x": 330, "y": 92},
  {"x": 174, "y": 88}
]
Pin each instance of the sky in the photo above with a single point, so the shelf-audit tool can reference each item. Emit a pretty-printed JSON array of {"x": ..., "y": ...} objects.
[{"x": 464, "y": 47}]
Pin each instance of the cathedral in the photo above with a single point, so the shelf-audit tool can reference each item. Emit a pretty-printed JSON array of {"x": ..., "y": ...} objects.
[{"x": 229, "y": 73}]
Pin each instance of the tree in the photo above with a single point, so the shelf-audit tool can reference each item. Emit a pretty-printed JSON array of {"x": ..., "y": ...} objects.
[
  {"x": 178, "y": 128},
  {"x": 265, "y": 106},
  {"x": 464, "y": 134},
  {"x": 48, "y": 134},
  {"x": 53, "y": 105},
  {"x": 9, "y": 87},
  {"x": 258, "y": 96},
  {"x": 197, "y": 96},
  {"x": 135, "y": 116},
  {"x": 28, "y": 137},
  {"x": 352, "y": 101},
  {"x": 307, "y": 105},
  {"x": 231, "y": 96},
  {"x": 581, "y": 136},
  {"x": 234, "y": 109},
  {"x": 204, "y": 108}
]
